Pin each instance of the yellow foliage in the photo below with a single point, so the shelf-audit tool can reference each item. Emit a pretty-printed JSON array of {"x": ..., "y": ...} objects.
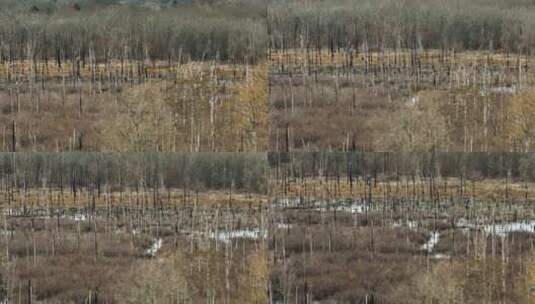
[
  {"x": 252, "y": 108},
  {"x": 531, "y": 279},
  {"x": 162, "y": 281},
  {"x": 442, "y": 284},
  {"x": 142, "y": 121},
  {"x": 255, "y": 279},
  {"x": 197, "y": 112},
  {"x": 420, "y": 126},
  {"x": 520, "y": 128}
]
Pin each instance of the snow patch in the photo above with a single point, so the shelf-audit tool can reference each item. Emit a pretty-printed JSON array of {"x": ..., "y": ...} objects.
[
  {"x": 284, "y": 226},
  {"x": 434, "y": 237},
  {"x": 412, "y": 225},
  {"x": 156, "y": 245},
  {"x": 500, "y": 229},
  {"x": 413, "y": 100},
  {"x": 251, "y": 234},
  {"x": 349, "y": 206},
  {"x": 7, "y": 232},
  {"x": 441, "y": 256},
  {"x": 506, "y": 228},
  {"x": 77, "y": 217}
]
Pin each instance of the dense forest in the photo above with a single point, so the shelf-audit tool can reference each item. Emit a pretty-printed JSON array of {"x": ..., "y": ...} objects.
[
  {"x": 101, "y": 31},
  {"x": 357, "y": 25},
  {"x": 267, "y": 151}
]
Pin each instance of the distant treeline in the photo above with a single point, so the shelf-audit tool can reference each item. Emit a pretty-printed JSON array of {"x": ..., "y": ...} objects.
[
  {"x": 245, "y": 171},
  {"x": 361, "y": 25},
  {"x": 99, "y": 31},
  {"x": 122, "y": 171},
  {"x": 391, "y": 165}
]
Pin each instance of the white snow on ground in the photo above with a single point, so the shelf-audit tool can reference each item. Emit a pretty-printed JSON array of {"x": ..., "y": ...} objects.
[
  {"x": 441, "y": 256},
  {"x": 434, "y": 237},
  {"x": 412, "y": 225},
  {"x": 413, "y": 100},
  {"x": 288, "y": 202},
  {"x": 501, "y": 90},
  {"x": 43, "y": 213},
  {"x": 501, "y": 229},
  {"x": 154, "y": 248},
  {"x": 505, "y": 228},
  {"x": 284, "y": 226},
  {"x": 6, "y": 232},
  {"x": 353, "y": 208},
  {"x": 504, "y": 89},
  {"x": 12, "y": 211},
  {"x": 79, "y": 217},
  {"x": 321, "y": 205},
  {"x": 251, "y": 234}
]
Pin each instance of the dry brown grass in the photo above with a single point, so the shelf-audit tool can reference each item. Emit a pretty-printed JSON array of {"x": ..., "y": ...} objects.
[
  {"x": 53, "y": 110},
  {"x": 101, "y": 260},
  {"x": 27, "y": 69},
  {"x": 339, "y": 58},
  {"x": 83, "y": 198},
  {"x": 341, "y": 258},
  {"x": 488, "y": 189},
  {"x": 457, "y": 103}
]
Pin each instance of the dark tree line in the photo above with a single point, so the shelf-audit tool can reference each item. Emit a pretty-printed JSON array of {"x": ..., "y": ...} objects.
[
  {"x": 120, "y": 171},
  {"x": 477, "y": 165},
  {"x": 362, "y": 25},
  {"x": 230, "y": 32}
]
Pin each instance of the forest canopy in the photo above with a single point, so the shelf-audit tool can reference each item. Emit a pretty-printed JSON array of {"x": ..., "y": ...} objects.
[
  {"x": 474, "y": 25},
  {"x": 122, "y": 30}
]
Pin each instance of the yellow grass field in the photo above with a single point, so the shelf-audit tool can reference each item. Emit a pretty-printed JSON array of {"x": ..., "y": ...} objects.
[
  {"x": 39, "y": 198},
  {"x": 443, "y": 188}
]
